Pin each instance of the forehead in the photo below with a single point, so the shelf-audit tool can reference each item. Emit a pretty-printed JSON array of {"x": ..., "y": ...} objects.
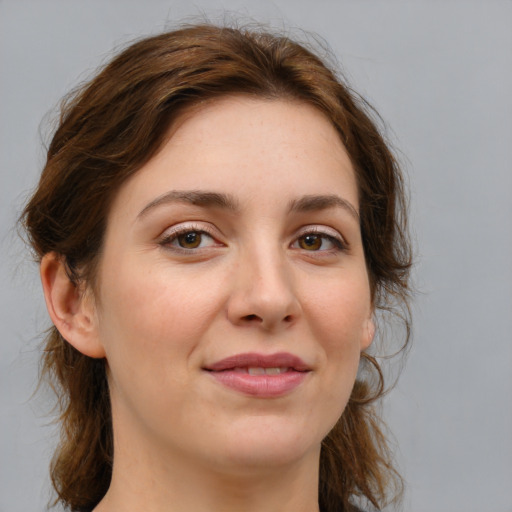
[
  {"x": 248, "y": 146},
  {"x": 257, "y": 123}
]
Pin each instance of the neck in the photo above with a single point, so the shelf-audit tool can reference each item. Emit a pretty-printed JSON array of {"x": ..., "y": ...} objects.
[
  {"x": 177, "y": 487},
  {"x": 150, "y": 480}
]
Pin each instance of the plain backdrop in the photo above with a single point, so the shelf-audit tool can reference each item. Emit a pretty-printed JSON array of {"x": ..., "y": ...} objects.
[{"x": 440, "y": 74}]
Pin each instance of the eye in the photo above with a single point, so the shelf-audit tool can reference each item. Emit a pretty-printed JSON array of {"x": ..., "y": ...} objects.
[
  {"x": 188, "y": 239},
  {"x": 191, "y": 239},
  {"x": 315, "y": 241}
]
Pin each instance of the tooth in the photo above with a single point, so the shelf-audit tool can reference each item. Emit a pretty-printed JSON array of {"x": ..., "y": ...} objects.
[
  {"x": 255, "y": 371},
  {"x": 272, "y": 371}
]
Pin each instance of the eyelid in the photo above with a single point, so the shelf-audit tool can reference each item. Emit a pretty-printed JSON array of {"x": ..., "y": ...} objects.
[
  {"x": 172, "y": 233},
  {"x": 175, "y": 231},
  {"x": 326, "y": 231}
]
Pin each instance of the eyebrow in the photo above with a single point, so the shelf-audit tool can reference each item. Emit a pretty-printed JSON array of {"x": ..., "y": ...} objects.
[
  {"x": 206, "y": 199},
  {"x": 195, "y": 197},
  {"x": 323, "y": 202}
]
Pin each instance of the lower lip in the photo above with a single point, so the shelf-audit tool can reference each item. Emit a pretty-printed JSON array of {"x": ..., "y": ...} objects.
[{"x": 262, "y": 386}]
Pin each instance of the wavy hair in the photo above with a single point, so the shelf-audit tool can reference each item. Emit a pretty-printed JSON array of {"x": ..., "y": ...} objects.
[{"x": 109, "y": 128}]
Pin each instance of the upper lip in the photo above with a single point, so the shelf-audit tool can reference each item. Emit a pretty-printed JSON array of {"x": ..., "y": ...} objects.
[{"x": 255, "y": 360}]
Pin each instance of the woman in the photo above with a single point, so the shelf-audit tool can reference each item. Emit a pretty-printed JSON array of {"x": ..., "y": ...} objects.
[{"x": 217, "y": 224}]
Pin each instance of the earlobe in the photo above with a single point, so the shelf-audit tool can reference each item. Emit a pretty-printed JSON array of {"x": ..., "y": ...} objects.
[
  {"x": 368, "y": 333},
  {"x": 72, "y": 311}
]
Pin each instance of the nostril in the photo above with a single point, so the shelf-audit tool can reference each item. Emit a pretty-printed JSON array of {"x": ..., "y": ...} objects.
[{"x": 266, "y": 323}]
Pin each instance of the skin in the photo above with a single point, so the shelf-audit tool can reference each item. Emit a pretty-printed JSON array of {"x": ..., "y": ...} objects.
[{"x": 161, "y": 312}]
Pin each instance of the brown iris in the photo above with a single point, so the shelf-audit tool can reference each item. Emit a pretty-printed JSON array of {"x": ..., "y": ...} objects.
[
  {"x": 310, "y": 242},
  {"x": 190, "y": 240}
]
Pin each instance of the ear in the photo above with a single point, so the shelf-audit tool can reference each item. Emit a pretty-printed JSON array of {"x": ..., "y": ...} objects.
[
  {"x": 368, "y": 333},
  {"x": 72, "y": 310}
]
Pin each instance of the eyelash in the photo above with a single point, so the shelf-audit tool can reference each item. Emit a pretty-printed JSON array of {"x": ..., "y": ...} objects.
[
  {"x": 338, "y": 243},
  {"x": 168, "y": 239}
]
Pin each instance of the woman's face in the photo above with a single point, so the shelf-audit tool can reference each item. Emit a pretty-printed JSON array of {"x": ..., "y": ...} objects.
[{"x": 233, "y": 298}]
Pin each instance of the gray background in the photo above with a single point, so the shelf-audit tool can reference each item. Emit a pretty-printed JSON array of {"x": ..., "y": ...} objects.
[{"x": 440, "y": 74}]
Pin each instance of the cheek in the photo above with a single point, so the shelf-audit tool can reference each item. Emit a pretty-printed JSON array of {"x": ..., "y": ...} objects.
[
  {"x": 155, "y": 312},
  {"x": 340, "y": 310},
  {"x": 152, "y": 325},
  {"x": 338, "y": 316}
]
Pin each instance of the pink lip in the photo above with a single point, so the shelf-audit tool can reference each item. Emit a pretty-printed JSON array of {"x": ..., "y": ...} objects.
[{"x": 232, "y": 373}]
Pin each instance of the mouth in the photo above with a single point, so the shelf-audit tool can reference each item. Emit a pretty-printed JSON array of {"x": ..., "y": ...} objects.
[
  {"x": 259, "y": 375},
  {"x": 259, "y": 364},
  {"x": 259, "y": 370}
]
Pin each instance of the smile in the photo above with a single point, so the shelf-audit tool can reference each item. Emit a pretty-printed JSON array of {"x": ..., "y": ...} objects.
[
  {"x": 255, "y": 370},
  {"x": 258, "y": 375}
]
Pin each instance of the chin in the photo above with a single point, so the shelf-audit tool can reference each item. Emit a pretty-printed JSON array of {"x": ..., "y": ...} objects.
[{"x": 266, "y": 444}]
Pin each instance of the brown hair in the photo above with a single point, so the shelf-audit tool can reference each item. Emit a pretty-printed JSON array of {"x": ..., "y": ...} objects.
[{"x": 108, "y": 129}]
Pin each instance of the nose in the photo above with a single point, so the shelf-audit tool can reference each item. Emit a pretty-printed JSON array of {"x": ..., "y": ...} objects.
[{"x": 264, "y": 292}]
